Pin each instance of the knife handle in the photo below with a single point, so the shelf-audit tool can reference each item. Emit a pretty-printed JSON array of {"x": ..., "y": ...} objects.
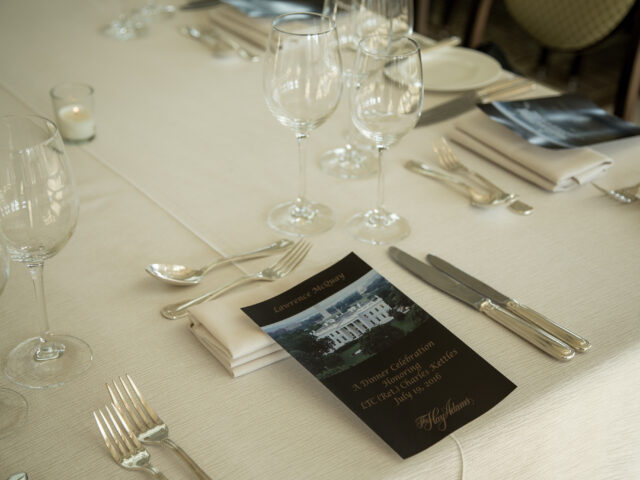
[
  {"x": 531, "y": 333},
  {"x": 575, "y": 341}
]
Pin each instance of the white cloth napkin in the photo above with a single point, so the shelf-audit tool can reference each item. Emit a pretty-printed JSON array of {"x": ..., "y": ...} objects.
[
  {"x": 554, "y": 170},
  {"x": 232, "y": 337}
]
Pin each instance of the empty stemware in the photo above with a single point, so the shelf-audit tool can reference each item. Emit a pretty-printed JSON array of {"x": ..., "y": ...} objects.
[
  {"x": 386, "y": 101},
  {"x": 38, "y": 214},
  {"x": 302, "y": 86}
]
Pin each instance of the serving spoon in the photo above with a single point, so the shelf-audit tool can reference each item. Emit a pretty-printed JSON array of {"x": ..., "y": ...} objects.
[
  {"x": 184, "y": 276},
  {"x": 477, "y": 198}
]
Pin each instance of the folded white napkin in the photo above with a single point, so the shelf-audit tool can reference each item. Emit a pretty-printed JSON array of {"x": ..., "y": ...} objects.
[
  {"x": 251, "y": 33},
  {"x": 554, "y": 170},
  {"x": 232, "y": 337}
]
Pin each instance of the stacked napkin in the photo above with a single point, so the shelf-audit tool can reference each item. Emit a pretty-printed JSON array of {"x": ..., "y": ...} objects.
[
  {"x": 553, "y": 170},
  {"x": 232, "y": 337}
]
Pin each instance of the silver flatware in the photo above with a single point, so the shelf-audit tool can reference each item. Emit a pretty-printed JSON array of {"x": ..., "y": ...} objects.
[
  {"x": 622, "y": 195},
  {"x": 574, "y": 340},
  {"x": 145, "y": 422},
  {"x": 198, "y": 4},
  {"x": 184, "y": 276},
  {"x": 204, "y": 38},
  {"x": 236, "y": 43},
  {"x": 122, "y": 444},
  {"x": 450, "y": 162},
  {"x": 18, "y": 476},
  {"x": 529, "y": 332},
  {"x": 281, "y": 268},
  {"x": 469, "y": 100},
  {"x": 477, "y": 198}
]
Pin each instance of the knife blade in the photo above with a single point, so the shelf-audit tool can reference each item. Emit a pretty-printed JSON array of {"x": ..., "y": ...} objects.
[
  {"x": 526, "y": 313},
  {"x": 531, "y": 333},
  {"x": 469, "y": 100}
]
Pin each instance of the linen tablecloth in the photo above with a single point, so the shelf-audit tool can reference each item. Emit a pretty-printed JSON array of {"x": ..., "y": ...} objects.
[{"x": 186, "y": 163}]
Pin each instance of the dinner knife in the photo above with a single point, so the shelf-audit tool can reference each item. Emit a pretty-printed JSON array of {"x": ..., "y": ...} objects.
[
  {"x": 469, "y": 100},
  {"x": 529, "y": 332},
  {"x": 526, "y": 313}
]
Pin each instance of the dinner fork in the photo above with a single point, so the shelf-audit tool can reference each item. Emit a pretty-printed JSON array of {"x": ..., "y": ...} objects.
[
  {"x": 449, "y": 161},
  {"x": 147, "y": 426},
  {"x": 281, "y": 268},
  {"x": 622, "y": 195},
  {"x": 122, "y": 444}
]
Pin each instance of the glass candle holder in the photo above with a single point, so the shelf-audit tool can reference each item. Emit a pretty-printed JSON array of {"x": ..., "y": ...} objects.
[{"x": 73, "y": 107}]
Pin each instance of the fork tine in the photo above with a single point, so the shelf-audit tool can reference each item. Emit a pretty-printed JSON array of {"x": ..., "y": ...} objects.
[
  {"x": 126, "y": 439},
  {"x": 282, "y": 261},
  {"x": 112, "y": 450},
  {"x": 613, "y": 194},
  {"x": 121, "y": 404},
  {"x": 147, "y": 410},
  {"x": 128, "y": 428},
  {"x": 295, "y": 260},
  {"x": 117, "y": 440}
]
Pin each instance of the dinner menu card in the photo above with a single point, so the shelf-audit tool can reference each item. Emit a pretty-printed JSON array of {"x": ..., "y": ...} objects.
[
  {"x": 397, "y": 368},
  {"x": 563, "y": 121}
]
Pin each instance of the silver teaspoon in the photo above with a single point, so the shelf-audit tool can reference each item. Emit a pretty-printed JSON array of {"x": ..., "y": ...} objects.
[{"x": 183, "y": 275}]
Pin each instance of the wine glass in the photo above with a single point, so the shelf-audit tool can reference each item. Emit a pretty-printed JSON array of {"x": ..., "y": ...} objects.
[
  {"x": 13, "y": 406},
  {"x": 38, "y": 213},
  {"x": 302, "y": 84},
  {"x": 354, "y": 20},
  {"x": 355, "y": 159},
  {"x": 386, "y": 101},
  {"x": 385, "y": 17}
]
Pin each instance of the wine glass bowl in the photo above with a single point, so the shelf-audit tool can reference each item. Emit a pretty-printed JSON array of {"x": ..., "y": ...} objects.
[
  {"x": 386, "y": 102},
  {"x": 38, "y": 214},
  {"x": 302, "y": 82}
]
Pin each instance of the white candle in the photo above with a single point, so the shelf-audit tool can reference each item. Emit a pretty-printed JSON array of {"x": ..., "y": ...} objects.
[{"x": 76, "y": 123}]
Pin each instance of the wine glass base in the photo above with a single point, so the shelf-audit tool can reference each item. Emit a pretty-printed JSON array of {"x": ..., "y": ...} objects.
[
  {"x": 13, "y": 412},
  {"x": 378, "y": 227},
  {"x": 310, "y": 219},
  {"x": 23, "y": 368},
  {"x": 351, "y": 164}
]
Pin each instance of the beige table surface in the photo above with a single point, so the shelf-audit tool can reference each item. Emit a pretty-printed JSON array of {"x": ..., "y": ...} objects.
[{"x": 186, "y": 163}]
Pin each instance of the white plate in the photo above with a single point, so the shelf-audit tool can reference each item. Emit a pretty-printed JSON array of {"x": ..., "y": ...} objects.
[{"x": 456, "y": 69}]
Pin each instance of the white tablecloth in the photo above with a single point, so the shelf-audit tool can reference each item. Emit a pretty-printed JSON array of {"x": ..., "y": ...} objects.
[{"x": 186, "y": 163}]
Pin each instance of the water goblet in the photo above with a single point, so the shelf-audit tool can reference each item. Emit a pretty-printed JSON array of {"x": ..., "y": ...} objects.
[
  {"x": 302, "y": 84},
  {"x": 13, "y": 406},
  {"x": 386, "y": 101},
  {"x": 38, "y": 214}
]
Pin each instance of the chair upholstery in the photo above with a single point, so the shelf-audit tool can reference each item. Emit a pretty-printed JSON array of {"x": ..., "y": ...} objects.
[{"x": 568, "y": 25}]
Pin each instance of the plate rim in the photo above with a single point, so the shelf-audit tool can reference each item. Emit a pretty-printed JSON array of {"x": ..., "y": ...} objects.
[{"x": 470, "y": 86}]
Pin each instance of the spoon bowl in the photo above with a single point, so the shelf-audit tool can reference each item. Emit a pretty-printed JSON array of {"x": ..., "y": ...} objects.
[{"x": 182, "y": 275}]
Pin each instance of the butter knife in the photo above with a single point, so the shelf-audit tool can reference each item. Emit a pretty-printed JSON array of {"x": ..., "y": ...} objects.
[
  {"x": 529, "y": 332},
  {"x": 469, "y": 100},
  {"x": 526, "y": 313}
]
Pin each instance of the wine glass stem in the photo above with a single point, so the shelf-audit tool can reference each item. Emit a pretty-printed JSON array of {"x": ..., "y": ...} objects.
[
  {"x": 380, "y": 200},
  {"x": 302, "y": 170},
  {"x": 48, "y": 350}
]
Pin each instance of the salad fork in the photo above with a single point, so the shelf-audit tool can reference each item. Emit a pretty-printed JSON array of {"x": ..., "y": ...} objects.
[
  {"x": 477, "y": 198},
  {"x": 147, "y": 426},
  {"x": 622, "y": 195},
  {"x": 450, "y": 162},
  {"x": 122, "y": 444},
  {"x": 281, "y": 268}
]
